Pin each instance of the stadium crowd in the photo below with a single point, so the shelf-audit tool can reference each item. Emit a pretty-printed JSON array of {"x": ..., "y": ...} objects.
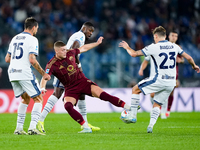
[{"x": 132, "y": 20}]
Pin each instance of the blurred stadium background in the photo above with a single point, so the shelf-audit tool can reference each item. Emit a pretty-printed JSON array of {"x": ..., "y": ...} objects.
[
  {"x": 130, "y": 20},
  {"x": 116, "y": 20}
]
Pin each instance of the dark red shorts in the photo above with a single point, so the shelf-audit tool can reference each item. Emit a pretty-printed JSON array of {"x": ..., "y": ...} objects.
[
  {"x": 81, "y": 86},
  {"x": 176, "y": 72}
]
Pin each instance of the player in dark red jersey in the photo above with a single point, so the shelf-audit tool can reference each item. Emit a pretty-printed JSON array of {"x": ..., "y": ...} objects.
[
  {"x": 173, "y": 37},
  {"x": 63, "y": 66}
]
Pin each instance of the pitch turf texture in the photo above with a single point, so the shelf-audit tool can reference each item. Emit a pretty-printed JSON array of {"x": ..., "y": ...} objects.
[{"x": 179, "y": 132}]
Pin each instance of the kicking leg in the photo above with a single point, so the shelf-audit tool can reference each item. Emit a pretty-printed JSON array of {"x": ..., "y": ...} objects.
[{"x": 98, "y": 92}]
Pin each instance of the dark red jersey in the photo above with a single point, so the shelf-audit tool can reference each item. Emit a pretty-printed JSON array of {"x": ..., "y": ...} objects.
[{"x": 66, "y": 70}]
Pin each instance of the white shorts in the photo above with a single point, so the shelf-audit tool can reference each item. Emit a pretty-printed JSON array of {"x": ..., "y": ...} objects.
[
  {"x": 57, "y": 83},
  {"x": 155, "y": 85},
  {"x": 31, "y": 87}
]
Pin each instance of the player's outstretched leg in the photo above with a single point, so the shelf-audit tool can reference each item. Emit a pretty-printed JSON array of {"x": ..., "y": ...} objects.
[
  {"x": 77, "y": 117},
  {"x": 114, "y": 100}
]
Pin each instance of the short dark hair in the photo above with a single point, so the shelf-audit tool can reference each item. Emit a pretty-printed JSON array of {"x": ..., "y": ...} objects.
[
  {"x": 88, "y": 24},
  {"x": 30, "y": 23},
  {"x": 160, "y": 31},
  {"x": 173, "y": 31},
  {"x": 59, "y": 44}
]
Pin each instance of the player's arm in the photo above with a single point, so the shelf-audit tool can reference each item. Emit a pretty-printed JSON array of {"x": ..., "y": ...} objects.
[
  {"x": 191, "y": 61},
  {"x": 43, "y": 83},
  {"x": 87, "y": 47},
  {"x": 131, "y": 52},
  {"x": 76, "y": 45},
  {"x": 7, "y": 58},
  {"x": 142, "y": 67},
  {"x": 37, "y": 66},
  {"x": 180, "y": 60}
]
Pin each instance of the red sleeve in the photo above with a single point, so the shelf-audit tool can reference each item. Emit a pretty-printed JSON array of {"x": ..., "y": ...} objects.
[
  {"x": 48, "y": 69},
  {"x": 76, "y": 51}
]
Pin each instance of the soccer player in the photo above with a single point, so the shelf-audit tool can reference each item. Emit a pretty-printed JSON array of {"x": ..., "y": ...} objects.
[
  {"x": 163, "y": 53},
  {"x": 75, "y": 41},
  {"x": 22, "y": 53},
  {"x": 63, "y": 66},
  {"x": 173, "y": 37}
]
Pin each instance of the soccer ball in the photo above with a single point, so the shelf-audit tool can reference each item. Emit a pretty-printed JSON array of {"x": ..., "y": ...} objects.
[{"x": 124, "y": 115}]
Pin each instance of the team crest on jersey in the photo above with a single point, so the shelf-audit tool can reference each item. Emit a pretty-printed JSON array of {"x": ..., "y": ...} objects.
[
  {"x": 47, "y": 71},
  {"x": 61, "y": 67},
  {"x": 70, "y": 68},
  {"x": 71, "y": 58}
]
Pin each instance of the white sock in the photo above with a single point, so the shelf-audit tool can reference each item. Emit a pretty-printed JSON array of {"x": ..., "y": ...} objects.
[
  {"x": 85, "y": 125},
  {"x": 82, "y": 109},
  {"x": 164, "y": 107},
  {"x": 48, "y": 107},
  {"x": 155, "y": 112},
  {"x": 21, "y": 115},
  {"x": 35, "y": 115},
  {"x": 126, "y": 106},
  {"x": 151, "y": 99},
  {"x": 135, "y": 98}
]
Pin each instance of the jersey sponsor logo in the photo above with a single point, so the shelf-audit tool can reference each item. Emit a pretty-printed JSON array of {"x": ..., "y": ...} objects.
[
  {"x": 15, "y": 71},
  {"x": 71, "y": 58},
  {"x": 47, "y": 71},
  {"x": 166, "y": 47},
  {"x": 61, "y": 67},
  {"x": 70, "y": 68}
]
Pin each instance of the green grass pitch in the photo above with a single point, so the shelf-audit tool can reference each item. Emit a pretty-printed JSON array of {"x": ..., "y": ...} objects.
[{"x": 181, "y": 131}]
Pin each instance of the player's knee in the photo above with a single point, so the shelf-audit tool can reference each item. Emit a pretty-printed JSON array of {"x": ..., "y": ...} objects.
[
  {"x": 38, "y": 99},
  {"x": 136, "y": 90},
  {"x": 58, "y": 92},
  {"x": 68, "y": 106},
  {"x": 56, "y": 95},
  {"x": 25, "y": 98},
  {"x": 82, "y": 97}
]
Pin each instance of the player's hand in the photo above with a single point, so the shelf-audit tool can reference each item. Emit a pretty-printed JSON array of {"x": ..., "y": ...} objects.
[
  {"x": 196, "y": 68},
  {"x": 43, "y": 91},
  {"x": 140, "y": 72},
  {"x": 124, "y": 45},
  {"x": 46, "y": 76},
  {"x": 100, "y": 39}
]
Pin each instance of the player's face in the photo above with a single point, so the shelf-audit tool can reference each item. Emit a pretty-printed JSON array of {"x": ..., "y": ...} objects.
[
  {"x": 61, "y": 52},
  {"x": 173, "y": 37},
  {"x": 35, "y": 29},
  {"x": 89, "y": 31}
]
